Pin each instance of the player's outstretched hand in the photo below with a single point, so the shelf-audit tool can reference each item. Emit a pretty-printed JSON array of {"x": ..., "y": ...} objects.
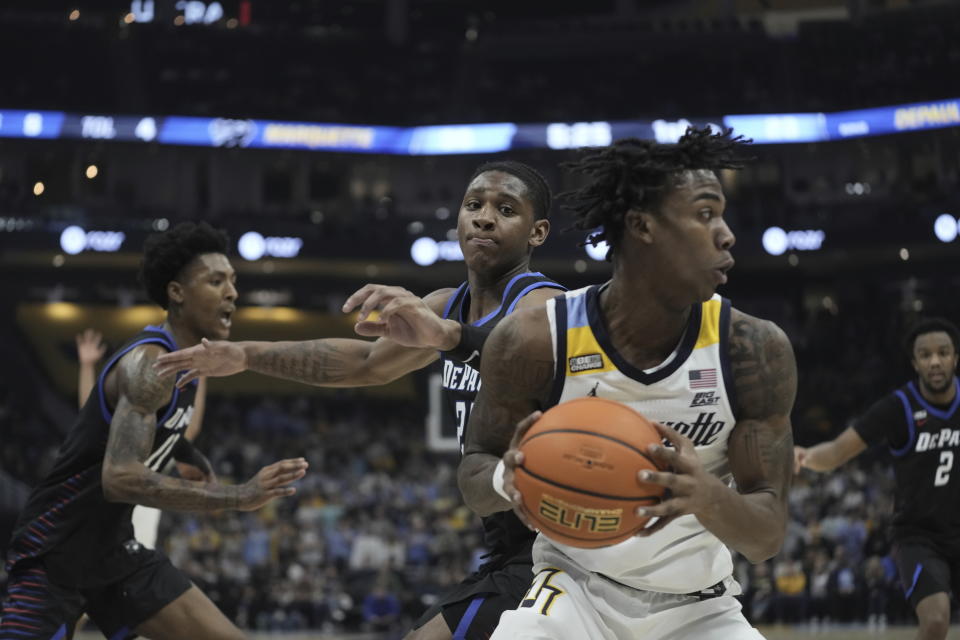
[
  {"x": 799, "y": 458},
  {"x": 512, "y": 459},
  {"x": 402, "y": 317},
  {"x": 271, "y": 482},
  {"x": 691, "y": 487},
  {"x": 217, "y": 358},
  {"x": 90, "y": 346}
]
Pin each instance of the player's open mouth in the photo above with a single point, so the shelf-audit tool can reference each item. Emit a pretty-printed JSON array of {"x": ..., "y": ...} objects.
[{"x": 226, "y": 318}]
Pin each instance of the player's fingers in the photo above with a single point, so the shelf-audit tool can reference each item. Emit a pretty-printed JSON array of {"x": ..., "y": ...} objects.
[
  {"x": 358, "y": 296},
  {"x": 524, "y": 425},
  {"x": 371, "y": 329},
  {"x": 671, "y": 507},
  {"x": 373, "y": 303},
  {"x": 175, "y": 358},
  {"x": 657, "y": 525},
  {"x": 286, "y": 478},
  {"x": 187, "y": 378},
  {"x": 513, "y": 458},
  {"x": 662, "y": 478},
  {"x": 678, "y": 440},
  {"x": 280, "y": 492},
  {"x": 665, "y": 457}
]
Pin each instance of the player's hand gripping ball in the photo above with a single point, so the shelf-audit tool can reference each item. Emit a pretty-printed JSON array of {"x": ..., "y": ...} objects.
[{"x": 579, "y": 473}]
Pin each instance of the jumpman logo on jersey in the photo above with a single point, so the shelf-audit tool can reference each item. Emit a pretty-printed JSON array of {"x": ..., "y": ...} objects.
[{"x": 593, "y": 392}]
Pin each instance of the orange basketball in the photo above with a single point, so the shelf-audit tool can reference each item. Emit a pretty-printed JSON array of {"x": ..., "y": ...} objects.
[{"x": 579, "y": 475}]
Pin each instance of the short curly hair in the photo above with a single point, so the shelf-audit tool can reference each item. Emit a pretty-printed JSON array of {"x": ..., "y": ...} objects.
[
  {"x": 538, "y": 190},
  {"x": 930, "y": 325},
  {"x": 166, "y": 254},
  {"x": 637, "y": 174}
]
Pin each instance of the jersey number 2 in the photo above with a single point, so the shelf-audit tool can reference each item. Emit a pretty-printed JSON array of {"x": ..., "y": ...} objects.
[
  {"x": 463, "y": 414},
  {"x": 943, "y": 471}
]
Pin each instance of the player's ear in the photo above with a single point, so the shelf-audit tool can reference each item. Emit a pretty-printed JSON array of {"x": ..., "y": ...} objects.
[
  {"x": 539, "y": 232},
  {"x": 175, "y": 292},
  {"x": 639, "y": 224}
]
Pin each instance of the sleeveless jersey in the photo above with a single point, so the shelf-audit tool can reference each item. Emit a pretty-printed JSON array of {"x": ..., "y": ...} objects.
[
  {"x": 67, "y": 521},
  {"x": 925, "y": 443},
  {"x": 691, "y": 391},
  {"x": 461, "y": 383}
]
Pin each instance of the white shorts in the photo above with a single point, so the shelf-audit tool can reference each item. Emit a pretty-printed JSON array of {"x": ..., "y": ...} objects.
[
  {"x": 146, "y": 521},
  {"x": 559, "y": 606}
]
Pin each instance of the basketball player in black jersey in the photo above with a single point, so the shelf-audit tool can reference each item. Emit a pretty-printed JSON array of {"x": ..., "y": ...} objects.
[
  {"x": 920, "y": 423},
  {"x": 503, "y": 217},
  {"x": 73, "y": 549}
]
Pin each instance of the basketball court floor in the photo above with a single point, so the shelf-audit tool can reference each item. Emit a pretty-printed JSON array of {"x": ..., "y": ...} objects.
[{"x": 771, "y": 633}]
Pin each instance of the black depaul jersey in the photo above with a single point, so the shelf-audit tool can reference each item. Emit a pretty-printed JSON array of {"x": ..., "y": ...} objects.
[
  {"x": 67, "y": 521},
  {"x": 924, "y": 440},
  {"x": 503, "y": 531}
]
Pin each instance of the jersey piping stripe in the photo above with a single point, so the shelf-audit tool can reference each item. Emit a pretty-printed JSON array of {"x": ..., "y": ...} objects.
[
  {"x": 559, "y": 376},
  {"x": 916, "y": 578},
  {"x": 453, "y": 299},
  {"x": 467, "y": 619},
  {"x": 104, "y": 409},
  {"x": 506, "y": 293},
  {"x": 528, "y": 289},
  {"x": 725, "y": 367},
  {"x": 709, "y": 333},
  {"x": 932, "y": 410},
  {"x": 34, "y": 543},
  {"x": 908, "y": 412}
]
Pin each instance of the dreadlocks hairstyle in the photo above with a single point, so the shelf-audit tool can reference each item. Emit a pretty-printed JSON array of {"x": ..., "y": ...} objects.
[
  {"x": 166, "y": 254},
  {"x": 536, "y": 184},
  {"x": 931, "y": 325},
  {"x": 636, "y": 174}
]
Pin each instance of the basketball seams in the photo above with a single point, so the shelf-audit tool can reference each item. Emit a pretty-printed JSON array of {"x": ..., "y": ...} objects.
[
  {"x": 587, "y": 432},
  {"x": 592, "y": 494}
]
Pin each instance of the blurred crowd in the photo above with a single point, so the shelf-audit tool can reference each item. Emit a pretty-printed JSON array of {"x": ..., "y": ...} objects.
[{"x": 377, "y": 529}]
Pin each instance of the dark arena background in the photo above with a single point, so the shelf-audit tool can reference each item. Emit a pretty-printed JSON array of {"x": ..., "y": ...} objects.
[{"x": 333, "y": 139}]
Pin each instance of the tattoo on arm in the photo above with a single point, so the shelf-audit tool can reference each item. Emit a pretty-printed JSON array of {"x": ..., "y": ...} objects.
[
  {"x": 314, "y": 361},
  {"x": 517, "y": 373},
  {"x": 765, "y": 380},
  {"x": 132, "y": 430},
  {"x": 514, "y": 385}
]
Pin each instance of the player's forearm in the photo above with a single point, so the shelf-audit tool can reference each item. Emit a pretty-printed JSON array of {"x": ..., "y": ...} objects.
[
  {"x": 142, "y": 486},
  {"x": 753, "y": 524},
  {"x": 475, "y": 478},
  {"x": 85, "y": 383},
  {"x": 823, "y": 457},
  {"x": 328, "y": 362}
]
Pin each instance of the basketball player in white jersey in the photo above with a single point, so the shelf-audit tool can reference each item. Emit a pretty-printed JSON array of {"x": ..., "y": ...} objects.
[
  {"x": 146, "y": 520},
  {"x": 657, "y": 338}
]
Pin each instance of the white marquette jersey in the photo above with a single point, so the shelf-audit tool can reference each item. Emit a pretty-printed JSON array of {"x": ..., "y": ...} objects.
[{"x": 691, "y": 391}]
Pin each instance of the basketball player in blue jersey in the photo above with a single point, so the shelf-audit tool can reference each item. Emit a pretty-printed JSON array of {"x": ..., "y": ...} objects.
[
  {"x": 73, "y": 549},
  {"x": 503, "y": 217},
  {"x": 657, "y": 338},
  {"x": 920, "y": 423}
]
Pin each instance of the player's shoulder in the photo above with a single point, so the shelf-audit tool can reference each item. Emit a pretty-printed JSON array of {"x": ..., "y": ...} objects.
[
  {"x": 755, "y": 334},
  {"x": 890, "y": 403},
  {"x": 438, "y": 300},
  {"x": 539, "y": 296},
  {"x": 525, "y": 331},
  {"x": 763, "y": 366}
]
